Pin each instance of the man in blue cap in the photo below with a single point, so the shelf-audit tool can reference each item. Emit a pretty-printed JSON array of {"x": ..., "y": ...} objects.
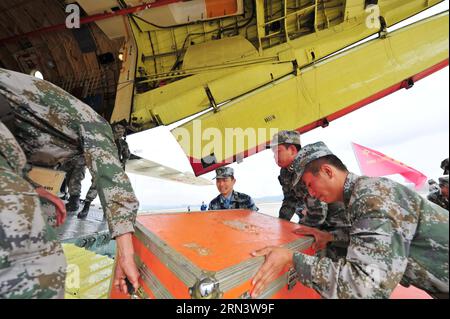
[{"x": 229, "y": 198}]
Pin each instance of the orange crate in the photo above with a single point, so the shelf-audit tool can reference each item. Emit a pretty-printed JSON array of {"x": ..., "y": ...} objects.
[{"x": 207, "y": 255}]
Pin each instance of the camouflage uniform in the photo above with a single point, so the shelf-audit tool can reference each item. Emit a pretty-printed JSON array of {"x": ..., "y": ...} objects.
[
  {"x": 396, "y": 236},
  {"x": 75, "y": 170},
  {"x": 296, "y": 198},
  {"x": 52, "y": 127},
  {"x": 32, "y": 263},
  {"x": 236, "y": 200},
  {"x": 290, "y": 205},
  {"x": 123, "y": 152},
  {"x": 439, "y": 199},
  {"x": 337, "y": 223},
  {"x": 435, "y": 194},
  {"x": 92, "y": 192},
  {"x": 326, "y": 217},
  {"x": 124, "y": 155}
]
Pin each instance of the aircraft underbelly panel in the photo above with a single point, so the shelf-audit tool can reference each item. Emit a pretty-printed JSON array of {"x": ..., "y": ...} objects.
[{"x": 305, "y": 100}]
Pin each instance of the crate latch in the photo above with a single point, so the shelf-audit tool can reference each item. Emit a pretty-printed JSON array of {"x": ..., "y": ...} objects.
[{"x": 205, "y": 288}]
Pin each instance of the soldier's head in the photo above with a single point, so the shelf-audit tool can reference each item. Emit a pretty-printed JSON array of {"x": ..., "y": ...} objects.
[
  {"x": 444, "y": 166},
  {"x": 225, "y": 180},
  {"x": 285, "y": 146},
  {"x": 118, "y": 130},
  {"x": 432, "y": 185},
  {"x": 322, "y": 172},
  {"x": 443, "y": 184}
]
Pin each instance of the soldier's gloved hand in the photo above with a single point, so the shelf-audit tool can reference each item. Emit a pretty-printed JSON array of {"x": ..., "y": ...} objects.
[
  {"x": 61, "y": 213},
  {"x": 321, "y": 238}
]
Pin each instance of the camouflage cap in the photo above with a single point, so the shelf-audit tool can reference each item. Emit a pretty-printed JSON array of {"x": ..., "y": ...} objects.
[
  {"x": 443, "y": 181},
  {"x": 224, "y": 172},
  {"x": 444, "y": 163},
  {"x": 285, "y": 137},
  {"x": 306, "y": 155}
]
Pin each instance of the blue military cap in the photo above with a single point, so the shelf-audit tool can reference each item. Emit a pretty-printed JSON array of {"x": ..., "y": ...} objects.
[{"x": 224, "y": 172}]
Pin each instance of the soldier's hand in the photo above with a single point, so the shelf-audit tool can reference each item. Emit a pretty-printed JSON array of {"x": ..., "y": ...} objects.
[
  {"x": 126, "y": 269},
  {"x": 321, "y": 238},
  {"x": 61, "y": 212},
  {"x": 125, "y": 265},
  {"x": 277, "y": 258}
]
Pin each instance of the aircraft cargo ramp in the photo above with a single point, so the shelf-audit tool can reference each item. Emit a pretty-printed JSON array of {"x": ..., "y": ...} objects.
[{"x": 88, "y": 273}]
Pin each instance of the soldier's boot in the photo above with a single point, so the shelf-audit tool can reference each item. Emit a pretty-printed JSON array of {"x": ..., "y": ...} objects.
[
  {"x": 73, "y": 204},
  {"x": 84, "y": 212}
]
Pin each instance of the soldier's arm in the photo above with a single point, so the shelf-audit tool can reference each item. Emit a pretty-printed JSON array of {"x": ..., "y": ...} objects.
[
  {"x": 114, "y": 188},
  {"x": 289, "y": 205},
  {"x": 340, "y": 235},
  {"x": 252, "y": 205},
  {"x": 316, "y": 212},
  {"x": 375, "y": 262},
  {"x": 288, "y": 208}
]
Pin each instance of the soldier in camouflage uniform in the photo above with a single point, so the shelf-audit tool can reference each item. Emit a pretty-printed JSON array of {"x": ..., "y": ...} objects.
[
  {"x": 444, "y": 166},
  {"x": 53, "y": 127},
  {"x": 443, "y": 184},
  {"x": 32, "y": 262},
  {"x": 312, "y": 212},
  {"x": 396, "y": 236},
  {"x": 229, "y": 198},
  {"x": 119, "y": 130},
  {"x": 90, "y": 196},
  {"x": 124, "y": 154},
  {"x": 75, "y": 171},
  {"x": 433, "y": 186},
  {"x": 285, "y": 145},
  {"x": 439, "y": 193}
]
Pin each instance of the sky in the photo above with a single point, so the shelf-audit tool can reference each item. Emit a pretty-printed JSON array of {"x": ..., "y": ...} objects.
[{"x": 411, "y": 126}]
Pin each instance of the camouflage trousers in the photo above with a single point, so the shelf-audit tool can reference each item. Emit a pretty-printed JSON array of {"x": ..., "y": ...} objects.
[
  {"x": 75, "y": 171},
  {"x": 32, "y": 262},
  {"x": 92, "y": 192}
]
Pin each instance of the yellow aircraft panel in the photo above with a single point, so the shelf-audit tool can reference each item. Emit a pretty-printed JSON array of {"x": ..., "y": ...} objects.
[{"x": 329, "y": 88}]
